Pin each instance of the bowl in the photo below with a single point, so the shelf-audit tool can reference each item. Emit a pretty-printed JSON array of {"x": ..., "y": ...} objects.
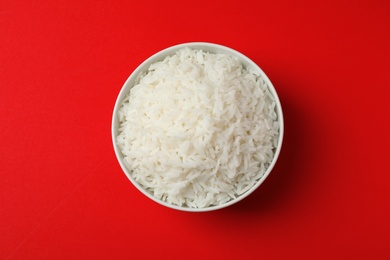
[{"x": 159, "y": 56}]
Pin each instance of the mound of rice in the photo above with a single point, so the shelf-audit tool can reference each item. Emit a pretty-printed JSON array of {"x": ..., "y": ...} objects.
[{"x": 198, "y": 129}]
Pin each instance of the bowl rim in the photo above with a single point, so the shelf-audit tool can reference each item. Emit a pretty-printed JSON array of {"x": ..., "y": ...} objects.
[{"x": 160, "y": 55}]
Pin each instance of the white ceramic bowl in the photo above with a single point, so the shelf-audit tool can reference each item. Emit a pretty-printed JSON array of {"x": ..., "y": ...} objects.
[{"x": 209, "y": 47}]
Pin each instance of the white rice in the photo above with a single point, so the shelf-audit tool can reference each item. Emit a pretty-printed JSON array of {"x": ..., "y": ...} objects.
[{"x": 198, "y": 129}]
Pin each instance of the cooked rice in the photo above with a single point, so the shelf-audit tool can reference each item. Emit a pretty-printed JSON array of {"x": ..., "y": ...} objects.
[{"x": 198, "y": 129}]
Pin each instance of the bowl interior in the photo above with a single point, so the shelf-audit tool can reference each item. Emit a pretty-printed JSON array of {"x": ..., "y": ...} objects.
[{"x": 208, "y": 47}]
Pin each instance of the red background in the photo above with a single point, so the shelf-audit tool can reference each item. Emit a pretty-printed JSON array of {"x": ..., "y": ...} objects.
[{"x": 64, "y": 196}]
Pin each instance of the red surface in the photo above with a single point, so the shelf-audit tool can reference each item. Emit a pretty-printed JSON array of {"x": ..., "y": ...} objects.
[{"x": 64, "y": 196}]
